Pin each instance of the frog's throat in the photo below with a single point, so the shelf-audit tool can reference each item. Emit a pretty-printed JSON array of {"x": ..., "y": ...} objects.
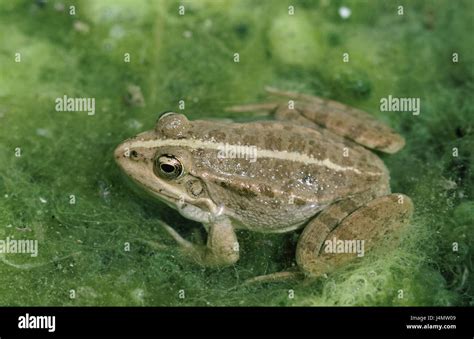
[
  {"x": 261, "y": 153},
  {"x": 175, "y": 198}
]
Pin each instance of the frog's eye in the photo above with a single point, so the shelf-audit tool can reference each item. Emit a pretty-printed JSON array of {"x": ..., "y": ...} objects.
[{"x": 168, "y": 167}]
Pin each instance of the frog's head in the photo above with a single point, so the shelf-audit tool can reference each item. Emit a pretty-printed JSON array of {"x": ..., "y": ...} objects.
[{"x": 160, "y": 162}]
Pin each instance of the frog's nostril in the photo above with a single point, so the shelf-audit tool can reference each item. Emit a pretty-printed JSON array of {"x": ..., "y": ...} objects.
[
  {"x": 123, "y": 152},
  {"x": 119, "y": 152}
]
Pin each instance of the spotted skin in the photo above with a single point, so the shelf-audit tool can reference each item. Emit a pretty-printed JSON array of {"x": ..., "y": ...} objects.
[{"x": 346, "y": 121}]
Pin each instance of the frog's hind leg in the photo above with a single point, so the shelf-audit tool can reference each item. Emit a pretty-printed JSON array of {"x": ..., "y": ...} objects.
[
  {"x": 345, "y": 231},
  {"x": 345, "y": 121},
  {"x": 265, "y": 108},
  {"x": 320, "y": 227}
]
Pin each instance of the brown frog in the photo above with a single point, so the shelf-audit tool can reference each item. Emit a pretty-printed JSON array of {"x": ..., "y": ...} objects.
[{"x": 310, "y": 168}]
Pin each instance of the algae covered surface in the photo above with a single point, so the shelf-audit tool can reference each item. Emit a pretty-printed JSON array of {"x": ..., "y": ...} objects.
[{"x": 99, "y": 243}]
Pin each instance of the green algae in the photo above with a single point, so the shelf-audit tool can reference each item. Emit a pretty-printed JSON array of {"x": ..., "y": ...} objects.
[{"x": 107, "y": 248}]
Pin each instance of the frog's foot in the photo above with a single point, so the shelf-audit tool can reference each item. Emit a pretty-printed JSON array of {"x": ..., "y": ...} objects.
[
  {"x": 275, "y": 277},
  {"x": 222, "y": 248},
  {"x": 342, "y": 120},
  {"x": 339, "y": 235}
]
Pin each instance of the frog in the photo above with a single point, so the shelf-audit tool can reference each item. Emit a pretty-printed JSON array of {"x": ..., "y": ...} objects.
[{"x": 313, "y": 168}]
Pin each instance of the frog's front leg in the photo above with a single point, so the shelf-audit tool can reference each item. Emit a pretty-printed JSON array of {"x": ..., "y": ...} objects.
[
  {"x": 345, "y": 231},
  {"x": 222, "y": 247}
]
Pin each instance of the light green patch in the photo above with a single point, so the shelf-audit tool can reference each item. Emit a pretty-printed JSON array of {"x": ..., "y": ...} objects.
[{"x": 296, "y": 39}]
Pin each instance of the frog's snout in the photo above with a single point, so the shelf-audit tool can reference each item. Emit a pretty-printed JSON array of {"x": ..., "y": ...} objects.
[{"x": 120, "y": 152}]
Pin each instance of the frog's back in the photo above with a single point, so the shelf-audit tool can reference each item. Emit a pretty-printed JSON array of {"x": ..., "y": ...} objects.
[{"x": 282, "y": 168}]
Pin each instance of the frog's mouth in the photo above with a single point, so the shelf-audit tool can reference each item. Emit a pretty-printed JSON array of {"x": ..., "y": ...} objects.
[{"x": 201, "y": 210}]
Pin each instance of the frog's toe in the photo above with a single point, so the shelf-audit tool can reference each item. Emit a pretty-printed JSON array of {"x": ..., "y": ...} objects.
[
  {"x": 275, "y": 277},
  {"x": 265, "y": 107},
  {"x": 176, "y": 236}
]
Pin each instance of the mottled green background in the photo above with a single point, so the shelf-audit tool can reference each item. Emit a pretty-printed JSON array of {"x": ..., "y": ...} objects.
[{"x": 190, "y": 57}]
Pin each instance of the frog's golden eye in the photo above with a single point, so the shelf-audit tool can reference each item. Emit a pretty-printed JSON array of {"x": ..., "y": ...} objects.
[{"x": 168, "y": 167}]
